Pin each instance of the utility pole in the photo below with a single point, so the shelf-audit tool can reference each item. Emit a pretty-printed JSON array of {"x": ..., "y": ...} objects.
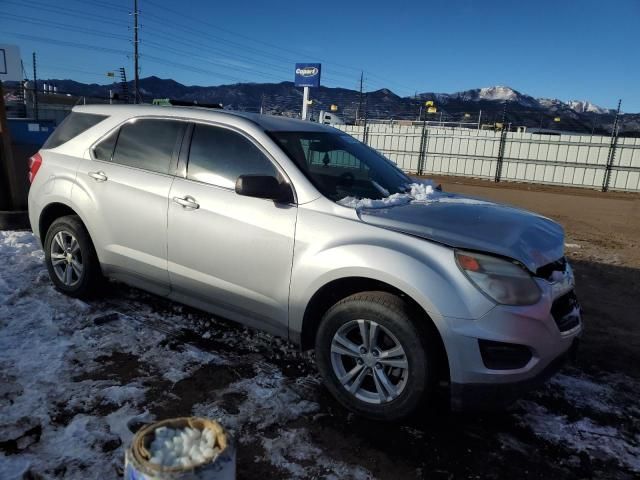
[
  {"x": 612, "y": 150},
  {"x": 503, "y": 141},
  {"x": 135, "y": 51},
  {"x": 35, "y": 88},
  {"x": 359, "y": 112},
  {"x": 305, "y": 102}
]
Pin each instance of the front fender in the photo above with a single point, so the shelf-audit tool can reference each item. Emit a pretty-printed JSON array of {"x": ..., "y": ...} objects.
[{"x": 431, "y": 278}]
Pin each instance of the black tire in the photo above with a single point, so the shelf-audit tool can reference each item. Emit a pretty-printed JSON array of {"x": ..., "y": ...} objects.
[
  {"x": 394, "y": 315},
  {"x": 86, "y": 284}
]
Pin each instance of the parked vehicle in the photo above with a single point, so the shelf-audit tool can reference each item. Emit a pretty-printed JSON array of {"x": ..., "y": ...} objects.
[{"x": 276, "y": 223}]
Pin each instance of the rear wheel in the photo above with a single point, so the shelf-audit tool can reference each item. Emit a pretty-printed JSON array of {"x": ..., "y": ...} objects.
[
  {"x": 70, "y": 257},
  {"x": 372, "y": 357}
]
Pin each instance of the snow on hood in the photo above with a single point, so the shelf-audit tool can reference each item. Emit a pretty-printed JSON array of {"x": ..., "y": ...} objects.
[
  {"x": 416, "y": 192},
  {"x": 466, "y": 222}
]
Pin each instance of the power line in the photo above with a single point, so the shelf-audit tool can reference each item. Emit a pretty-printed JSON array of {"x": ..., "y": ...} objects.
[
  {"x": 263, "y": 43},
  {"x": 221, "y": 52},
  {"x": 184, "y": 53},
  {"x": 33, "y": 4},
  {"x": 336, "y": 77},
  {"x": 114, "y": 51},
  {"x": 57, "y": 68},
  {"x": 148, "y": 57},
  {"x": 65, "y": 26},
  {"x": 208, "y": 37},
  {"x": 105, "y": 5},
  {"x": 136, "y": 67}
]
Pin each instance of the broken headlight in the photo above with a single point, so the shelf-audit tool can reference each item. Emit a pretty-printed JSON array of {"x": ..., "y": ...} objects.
[{"x": 502, "y": 280}]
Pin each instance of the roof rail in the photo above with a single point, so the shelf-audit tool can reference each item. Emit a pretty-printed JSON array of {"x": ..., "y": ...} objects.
[{"x": 182, "y": 103}]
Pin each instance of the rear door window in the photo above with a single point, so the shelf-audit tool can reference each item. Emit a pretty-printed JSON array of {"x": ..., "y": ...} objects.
[
  {"x": 218, "y": 156},
  {"x": 72, "y": 126},
  {"x": 149, "y": 144}
]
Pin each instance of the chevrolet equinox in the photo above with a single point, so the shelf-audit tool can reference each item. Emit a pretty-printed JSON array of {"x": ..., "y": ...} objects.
[{"x": 299, "y": 229}]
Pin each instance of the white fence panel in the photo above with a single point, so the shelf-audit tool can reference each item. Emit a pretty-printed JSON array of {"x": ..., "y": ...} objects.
[{"x": 572, "y": 160}]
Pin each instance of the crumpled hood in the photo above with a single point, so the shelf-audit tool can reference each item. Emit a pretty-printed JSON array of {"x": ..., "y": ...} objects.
[{"x": 474, "y": 224}]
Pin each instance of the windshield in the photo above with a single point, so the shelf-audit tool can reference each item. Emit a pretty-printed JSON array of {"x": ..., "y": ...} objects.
[{"x": 340, "y": 166}]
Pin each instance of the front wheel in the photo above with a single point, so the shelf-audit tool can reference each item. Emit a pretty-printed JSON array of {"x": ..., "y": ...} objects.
[{"x": 372, "y": 357}]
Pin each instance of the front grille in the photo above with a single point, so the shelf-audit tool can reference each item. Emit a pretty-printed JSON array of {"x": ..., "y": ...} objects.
[
  {"x": 546, "y": 271},
  {"x": 566, "y": 312}
]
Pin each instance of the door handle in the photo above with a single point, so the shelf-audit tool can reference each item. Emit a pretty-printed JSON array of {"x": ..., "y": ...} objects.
[
  {"x": 98, "y": 176},
  {"x": 187, "y": 202}
]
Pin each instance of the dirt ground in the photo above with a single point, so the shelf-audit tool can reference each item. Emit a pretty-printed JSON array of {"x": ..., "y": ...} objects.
[{"x": 585, "y": 423}]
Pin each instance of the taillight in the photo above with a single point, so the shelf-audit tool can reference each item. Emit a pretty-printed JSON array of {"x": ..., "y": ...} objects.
[{"x": 34, "y": 165}]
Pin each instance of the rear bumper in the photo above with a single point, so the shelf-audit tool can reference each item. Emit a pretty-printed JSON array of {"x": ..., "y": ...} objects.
[{"x": 490, "y": 396}]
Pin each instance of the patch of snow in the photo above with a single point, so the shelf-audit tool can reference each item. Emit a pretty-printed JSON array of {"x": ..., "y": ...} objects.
[
  {"x": 56, "y": 378},
  {"x": 585, "y": 106},
  {"x": 291, "y": 449},
  {"x": 609, "y": 394},
  {"x": 269, "y": 399},
  {"x": 579, "y": 106},
  {"x": 418, "y": 192},
  {"x": 119, "y": 395},
  {"x": 550, "y": 102},
  {"x": 583, "y": 435},
  {"x": 498, "y": 92}
]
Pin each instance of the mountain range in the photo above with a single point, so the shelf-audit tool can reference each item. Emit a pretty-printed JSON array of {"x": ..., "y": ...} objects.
[{"x": 285, "y": 99}]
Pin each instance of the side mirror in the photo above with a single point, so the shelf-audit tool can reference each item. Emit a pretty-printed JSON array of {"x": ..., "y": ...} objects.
[{"x": 264, "y": 186}]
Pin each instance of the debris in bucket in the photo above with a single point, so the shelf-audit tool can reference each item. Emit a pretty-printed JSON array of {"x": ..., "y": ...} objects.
[{"x": 183, "y": 447}]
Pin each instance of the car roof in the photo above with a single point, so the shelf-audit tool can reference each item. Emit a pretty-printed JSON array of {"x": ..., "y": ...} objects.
[{"x": 266, "y": 122}]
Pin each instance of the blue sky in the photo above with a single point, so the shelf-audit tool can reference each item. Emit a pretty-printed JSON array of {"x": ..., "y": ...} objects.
[{"x": 566, "y": 49}]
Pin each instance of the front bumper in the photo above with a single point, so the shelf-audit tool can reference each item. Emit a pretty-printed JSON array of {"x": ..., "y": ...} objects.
[
  {"x": 489, "y": 396},
  {"x": 547, "y": 331}
]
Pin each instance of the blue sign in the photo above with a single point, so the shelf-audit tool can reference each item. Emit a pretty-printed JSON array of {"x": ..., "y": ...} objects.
[{"x": 307, "y": 75}]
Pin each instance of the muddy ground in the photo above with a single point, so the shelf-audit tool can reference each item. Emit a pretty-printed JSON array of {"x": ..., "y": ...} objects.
[{"x": 585, "y": 423}]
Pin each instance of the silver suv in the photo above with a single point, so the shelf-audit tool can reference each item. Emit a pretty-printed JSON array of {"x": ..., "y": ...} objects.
[{"x": 299, "y": 229}]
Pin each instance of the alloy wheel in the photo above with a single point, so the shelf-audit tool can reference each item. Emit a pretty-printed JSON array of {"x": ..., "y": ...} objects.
[
  {"x": 66, "y": 258},
  {"x": 369, "y": 361}
]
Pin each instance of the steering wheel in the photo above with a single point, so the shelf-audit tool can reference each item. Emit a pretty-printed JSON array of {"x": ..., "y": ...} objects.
[{"x": 346, "y": 179}]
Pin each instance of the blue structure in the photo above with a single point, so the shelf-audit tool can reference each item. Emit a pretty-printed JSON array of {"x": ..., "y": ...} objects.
[
  {"x": 307, "y": 75},
  {"x": 25, "y": 131}
]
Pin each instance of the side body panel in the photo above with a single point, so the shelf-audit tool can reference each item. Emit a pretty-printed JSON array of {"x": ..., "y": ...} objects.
[
  {"x": 127, "y": 215},
  {"x": 53, "y": 184},
  {"x": 233, "y": 252}
]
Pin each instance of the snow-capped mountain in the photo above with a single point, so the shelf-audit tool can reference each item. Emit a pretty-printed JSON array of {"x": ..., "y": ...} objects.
[
  {"x": 501, "y": 93},
  {"x": 585, "y": 106},
  {"x": 579, "y": 106},
  {"x": 498, "y": 93}
]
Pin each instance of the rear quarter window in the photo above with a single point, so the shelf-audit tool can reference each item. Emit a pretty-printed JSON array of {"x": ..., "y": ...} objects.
[{"x": 72, "y": 126}]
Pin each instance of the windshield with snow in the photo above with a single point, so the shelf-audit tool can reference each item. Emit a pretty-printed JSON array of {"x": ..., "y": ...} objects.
[{"x": 342, "y": 167}]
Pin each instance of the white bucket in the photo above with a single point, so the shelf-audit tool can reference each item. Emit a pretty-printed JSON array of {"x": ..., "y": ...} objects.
[{"x": 221, "y": 467}]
